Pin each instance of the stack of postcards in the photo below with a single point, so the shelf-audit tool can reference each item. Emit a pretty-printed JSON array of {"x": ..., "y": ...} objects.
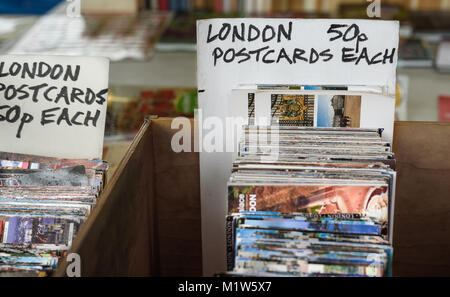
[
  {"x": 311, "y": 202},
  {"x": 43, "y": 203}
]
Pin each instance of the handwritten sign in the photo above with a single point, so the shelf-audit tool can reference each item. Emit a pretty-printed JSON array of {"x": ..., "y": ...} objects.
[
  {"x": 53, "y": 106},
  {"x": 343, "y": 52},
  {"x": 233, "y": 52},
  {"x": 354, "y": 50}
]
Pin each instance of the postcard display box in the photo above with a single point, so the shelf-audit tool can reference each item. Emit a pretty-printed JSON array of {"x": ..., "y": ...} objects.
[
  {"x": 236, "y": 57},
  {"x": 149, "y": 221}
]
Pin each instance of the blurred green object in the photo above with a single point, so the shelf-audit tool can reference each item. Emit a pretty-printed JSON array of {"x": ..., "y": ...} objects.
[
  {"x": 187, "y": 103},
  {"x": 126, "y": 113}
]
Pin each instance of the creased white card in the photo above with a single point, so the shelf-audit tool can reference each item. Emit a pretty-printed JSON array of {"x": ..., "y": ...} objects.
[{"x": 53, "y": 106}]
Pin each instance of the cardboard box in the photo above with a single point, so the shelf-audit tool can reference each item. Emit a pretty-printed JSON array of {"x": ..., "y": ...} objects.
[
  {"x": 148, "y": 220},
  {"x": 422, "y": 204}
]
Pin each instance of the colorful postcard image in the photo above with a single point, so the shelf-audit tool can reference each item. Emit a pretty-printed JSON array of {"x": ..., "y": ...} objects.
[
  {"x": 22, "y": 230},
  {"x": 339, "y": 111},
  {"x": 64, "y": 177},
  {"x": 322, "y": 226},
  {"x": 369, "y": 201},
  {"x": 287, "y": 110},
  {"x": 127, "y": 114},
  {"x": 251, "y": 108}
]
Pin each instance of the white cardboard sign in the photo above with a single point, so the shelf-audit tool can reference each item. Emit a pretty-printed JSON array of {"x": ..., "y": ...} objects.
[
  {"x": 233, "y": 52},
  {"x": 53, "y": 106}
]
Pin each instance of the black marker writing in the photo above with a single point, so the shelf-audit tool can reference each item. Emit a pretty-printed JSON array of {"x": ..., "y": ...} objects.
[
  {"x": 267, "y": 55},
  {"x": 349, "y": 55},
  {"x": 12, "y": 114},
  {"x": 352, "y": 33},
  {"x": 249, "y": 33},
  {"x": 63, "y": 95},
  {"x": 268, "y": 36},
  {"x": 61, "y": 116},
  {"x": 67, "y": 99},
  {"x": 40, "y": 70}
]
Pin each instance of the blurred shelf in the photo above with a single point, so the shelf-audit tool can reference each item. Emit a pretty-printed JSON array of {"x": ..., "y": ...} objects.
[
  {"x": 425, "y": 86},
  {"x": 12, "y": 27},
  {"x": 179, "y": 70},
  {"x": 163, "y": 70}
]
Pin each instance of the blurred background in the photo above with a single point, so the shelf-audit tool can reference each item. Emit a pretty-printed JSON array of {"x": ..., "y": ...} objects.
[{"x": 151, "y": 44}]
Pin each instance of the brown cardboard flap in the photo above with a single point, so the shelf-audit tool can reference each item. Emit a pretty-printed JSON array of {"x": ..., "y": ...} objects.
[
  {"x": 422, "y": 206},
  {"x": 147, "y": 220},
  {"x": 116, "y": 239},
  {"x": 177, "y": 197}
]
